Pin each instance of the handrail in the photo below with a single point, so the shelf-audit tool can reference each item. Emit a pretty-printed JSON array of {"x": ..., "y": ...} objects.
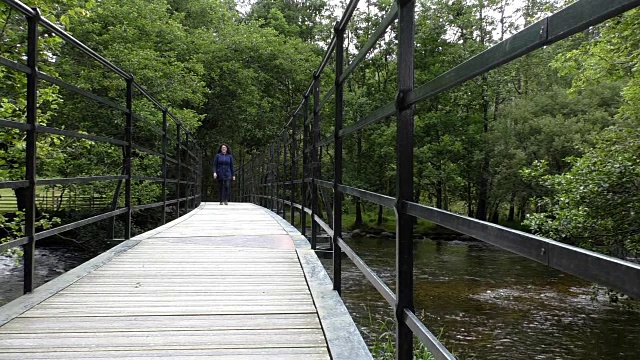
[
  {"x": 189, "y": 179},
  {"x": 268, "y": 187}
]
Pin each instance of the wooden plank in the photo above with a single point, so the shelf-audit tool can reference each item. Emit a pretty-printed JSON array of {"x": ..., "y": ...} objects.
[
  {"x": 159, "y": 323},
  {"x": 186, "y": 289},
  {"x": 67, "y": 298},
  {"x": 183, "y": 311},
  {"x": 51, "y": 342},
  {"x": 282, "y": 353}
]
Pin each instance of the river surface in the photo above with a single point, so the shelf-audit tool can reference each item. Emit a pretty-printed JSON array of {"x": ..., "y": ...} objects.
[
  {"x": 50, "y": 263},
  {"x": 486, "y": 303}
]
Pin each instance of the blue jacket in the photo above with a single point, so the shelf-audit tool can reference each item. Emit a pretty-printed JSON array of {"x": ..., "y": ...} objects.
[{"x": 223, "y": 166}]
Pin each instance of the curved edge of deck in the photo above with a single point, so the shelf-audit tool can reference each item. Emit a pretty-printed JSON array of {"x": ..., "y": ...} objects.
[
  {"x": 343, "y": 337},
  {"x": 17, "y": 307}
]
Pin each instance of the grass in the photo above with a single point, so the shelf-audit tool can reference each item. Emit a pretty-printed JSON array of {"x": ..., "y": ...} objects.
[
  {"x": 7, "y": 200},
  {"x": 383, "y": 345},
  {"x": 69, "y": 199}
]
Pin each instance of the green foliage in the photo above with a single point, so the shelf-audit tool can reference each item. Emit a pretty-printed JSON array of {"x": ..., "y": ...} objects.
[
  {"x": 608, "y": 54},
  {"x": 306, "y": 20},
  {"x": 596, "y": 203},
  {"x": 13, "y": 227}
]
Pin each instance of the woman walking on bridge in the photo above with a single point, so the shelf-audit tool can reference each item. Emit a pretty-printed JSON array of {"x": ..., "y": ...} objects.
[{"x": 223, "y": 171}]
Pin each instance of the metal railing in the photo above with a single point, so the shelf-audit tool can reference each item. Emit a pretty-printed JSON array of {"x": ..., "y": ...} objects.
[
  {"x": 266, "y": 181},
  {"x": 179, "y": 155}
]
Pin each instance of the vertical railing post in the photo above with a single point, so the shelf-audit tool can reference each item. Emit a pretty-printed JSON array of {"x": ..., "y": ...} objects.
[
  {"x": 127, "y": 158},
  {"x": 253, "y": 180},
  {"x": 29, "y": 248},
  {"x": 164, "y": 165},
  {"x": 337, "y": 162},
  {"x": 275, "y": 160},
  {"x": 201, "y": 173},
  {"x": 272, "y": 177},
  {"x": 260, "y": 183},
  {"x": 305, "y": 165},
  {"x": 315, "y": 139},
  {"x": 248, "y": 180},
  {"x": 294, "y": 168},
  {"x": 241, "y": 184},
  {"x": 285, "y": 138},
  {"x": 179, "y": 158},
  {"x": 280, "y": 176},
  {"x": 261, "y": 190},
  {"x": 404, "y": 182},
  {"x": 190, "y": 179},
  {"x": 266, "y": 188}
]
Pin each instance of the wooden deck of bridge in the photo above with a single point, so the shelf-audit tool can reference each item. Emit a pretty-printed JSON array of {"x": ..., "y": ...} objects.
[{"x": 230, "y": 282}]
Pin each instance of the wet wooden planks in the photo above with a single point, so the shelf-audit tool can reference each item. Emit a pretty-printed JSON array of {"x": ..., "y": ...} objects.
[{"x": 224, "y": 283}]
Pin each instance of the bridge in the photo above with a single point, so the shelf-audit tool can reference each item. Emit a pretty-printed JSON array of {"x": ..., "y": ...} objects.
[
  {"x": 230, "y": 282},
  {"x": 202, "y": 284}
]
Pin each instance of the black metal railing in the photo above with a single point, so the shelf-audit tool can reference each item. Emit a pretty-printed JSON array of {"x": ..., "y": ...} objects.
[
  {"x": 172, "y": 148},
  {"x": 265, "y": 180}
]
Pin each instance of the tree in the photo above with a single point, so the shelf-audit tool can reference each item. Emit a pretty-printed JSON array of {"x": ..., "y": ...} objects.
[
  {"x": 596, "y": 204},
  {"x": 308, "y": 20}
]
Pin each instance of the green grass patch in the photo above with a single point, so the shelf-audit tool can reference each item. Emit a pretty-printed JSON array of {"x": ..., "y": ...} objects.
[{"x": 7, "y": 201}]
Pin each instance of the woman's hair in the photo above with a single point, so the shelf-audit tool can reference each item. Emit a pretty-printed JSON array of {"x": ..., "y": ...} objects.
[{"x": 228, "y": 149}]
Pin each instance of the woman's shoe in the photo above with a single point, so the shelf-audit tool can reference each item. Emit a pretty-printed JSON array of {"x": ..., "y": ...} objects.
[
  {"x": 226, "y": 203},
  {"x": 220, "y": 202}
]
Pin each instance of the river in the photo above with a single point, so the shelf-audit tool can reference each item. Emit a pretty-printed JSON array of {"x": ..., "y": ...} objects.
[
  {"x": 50, "y": 263},
  {"x": 486, "y": 303}
]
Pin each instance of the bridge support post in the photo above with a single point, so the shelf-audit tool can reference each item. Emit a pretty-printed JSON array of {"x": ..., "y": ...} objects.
[
  {"x": 305, "y": 165},
  {"x": 164, "y": 165},
  {"x": 31, "y": 142},
  {"x": 271, "y": 178},
  {"x": 179, "y": 158},
  {"x": 337, "y": 162},
  {"x": 315, "y": 138},
  {"x": 275, "y": 160},
  {"x": 294, "y": 168},
  {"x": 404, "y": 183},
  {"x": 283, "y": 187},
  {"x": 127, "y": 158}
]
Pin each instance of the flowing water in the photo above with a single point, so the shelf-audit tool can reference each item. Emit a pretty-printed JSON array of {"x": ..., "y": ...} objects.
[
  {"x": 50, "y": 263},
  {"x": 486, "y": 303}
]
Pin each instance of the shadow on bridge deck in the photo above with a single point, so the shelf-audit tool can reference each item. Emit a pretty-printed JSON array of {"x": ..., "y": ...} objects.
[{"x": 232, "y": 281}]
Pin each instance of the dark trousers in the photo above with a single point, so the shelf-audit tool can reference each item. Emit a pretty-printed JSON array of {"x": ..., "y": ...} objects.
[{"x": 224, "y": 185}]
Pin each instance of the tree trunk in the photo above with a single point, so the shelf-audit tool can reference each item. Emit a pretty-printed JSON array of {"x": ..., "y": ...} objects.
[
  {"x": 469, "y": 201},
  {"x": 379, "y": 222},
  {"x": 359, "y": 221},
  {"x": 483, "y": 186},
  {"x": 439, "y": 194},
  {"x": 522, "y": 210},
  {"x": 21, "y": 198},
  {"x": 445, "y": 197},
  {"x": 512, "y": 207},
  {"x": 495, "y": 216}
]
